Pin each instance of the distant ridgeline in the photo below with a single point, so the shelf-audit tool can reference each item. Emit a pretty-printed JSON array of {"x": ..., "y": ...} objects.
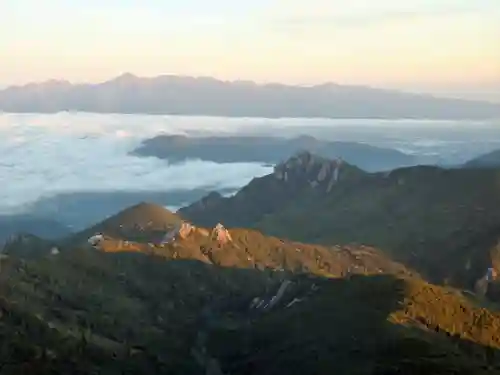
[
  {"x": 176, "y": 95},
  {"x": 270, "y": 150}
]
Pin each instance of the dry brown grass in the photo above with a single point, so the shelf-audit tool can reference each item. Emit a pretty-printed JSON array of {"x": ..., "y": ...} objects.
[
  {"x": 449, "y": 312},
  {"x": 252, "y": 249}
]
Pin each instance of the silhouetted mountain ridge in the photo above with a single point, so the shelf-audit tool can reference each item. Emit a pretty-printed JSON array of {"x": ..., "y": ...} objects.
[
  {"x": 179, "y": 95},
  {"x": 302, "y": 176},
  {"x": 489, "y": 160},
  {"x": 176, "y": 148}
]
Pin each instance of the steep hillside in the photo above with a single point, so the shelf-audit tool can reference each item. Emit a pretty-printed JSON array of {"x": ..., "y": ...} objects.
[
  {"x": 139, "y": 222},
  {"x": 110, "y": 312},
  {"x": 442, "y": 222},
  {"x": 40, "y": 226},
  {"x": 126, "y": 306},
  {"x": 414, "y": 328},
  {"x": 303, "y": 178},
  {"x": 28, "y": 245},
  {"x": 489, "y": 160}
]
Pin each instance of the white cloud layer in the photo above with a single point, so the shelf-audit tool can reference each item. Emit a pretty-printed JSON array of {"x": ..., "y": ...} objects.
[{"x": 43, "y": 155}]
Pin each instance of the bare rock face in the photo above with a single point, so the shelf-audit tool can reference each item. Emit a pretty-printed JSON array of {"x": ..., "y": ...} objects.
[
  {"x": 182, "y": 231},
  {"x": 210, "y": 200},
  {"x": 279, "y": 173},
  {"x": 185, "y": 230},
  {"x": 203, "y": 232},
  {"x": 96, "y": 240},
  {"x": 221, "y": 234},
  {"x": 323, "y": 172},
  {"x": 482, "y": 285},
  {"x": 319, "y": 173}
]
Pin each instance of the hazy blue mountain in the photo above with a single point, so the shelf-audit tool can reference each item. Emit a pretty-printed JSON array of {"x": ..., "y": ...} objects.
[
  {"x": 489, "y": 160},
  {"x": 270, "y": 150},
  {"x": 179, "y": 95},
  {"x": 43, "y": 227}
]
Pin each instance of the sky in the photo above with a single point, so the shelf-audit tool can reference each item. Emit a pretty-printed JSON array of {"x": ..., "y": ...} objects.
[{"x": 439, "y": 46}]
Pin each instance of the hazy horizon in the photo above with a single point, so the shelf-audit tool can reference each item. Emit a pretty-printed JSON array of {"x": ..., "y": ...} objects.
[{"x": 446, "y": 48}]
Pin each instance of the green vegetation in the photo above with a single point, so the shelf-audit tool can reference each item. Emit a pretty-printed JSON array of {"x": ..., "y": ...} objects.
[
  {"x": 262, "y": 304},
  {"x": 432, "y": 219}
]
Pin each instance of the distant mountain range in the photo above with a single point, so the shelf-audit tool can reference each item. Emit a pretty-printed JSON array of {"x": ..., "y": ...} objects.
[
  {"x": 179, "y": 95},
  {"x": 271, "y": 150}
]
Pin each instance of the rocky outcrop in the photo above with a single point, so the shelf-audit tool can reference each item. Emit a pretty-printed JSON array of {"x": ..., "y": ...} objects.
[
  {"x": 221, "y": 234},
  {"x": 203, "y": 232},
  {"x": 317, "y": 171},
  {"x": 95, "y": 240},
  {"x": 185, "y": 230},
  {"x": 482, "y": 285}
]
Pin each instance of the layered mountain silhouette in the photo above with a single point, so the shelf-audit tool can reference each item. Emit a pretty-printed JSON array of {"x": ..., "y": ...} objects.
[
  {"x": 151, "y": 291},
  {"x": 179, "y": 95},
  {"x": 271, "y": 150}
]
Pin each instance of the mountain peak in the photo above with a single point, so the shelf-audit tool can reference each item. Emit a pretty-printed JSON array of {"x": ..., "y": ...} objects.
[
  {"x": 318, "y": 171},
  {"x": 142, "y": 218},
  {"x": 145, "y": 214},
  {"x": 124, "y": 78}
]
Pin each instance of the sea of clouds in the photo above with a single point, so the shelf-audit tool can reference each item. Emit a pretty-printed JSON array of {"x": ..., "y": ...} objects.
[{"x": 42, "y": 155}]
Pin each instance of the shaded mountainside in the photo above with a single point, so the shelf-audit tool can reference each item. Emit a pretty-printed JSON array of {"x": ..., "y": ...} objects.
[
  {"x": 303, "y": 178},
  {"x": 47, "y": 228},
  {"x": 144, "y": 304},
  {"x": 85, "y": 310},
  {"x": 177, "y": 95},
  {"x": 441, "y": 222},
  {"x": 231, "y": 301},
  {"x": 489, "y": 160},
  {"x": 413, "y": 328},
  {"x": 177, "y": 148}
]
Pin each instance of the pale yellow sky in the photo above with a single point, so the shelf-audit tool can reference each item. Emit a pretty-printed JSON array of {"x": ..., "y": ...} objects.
[{"x": 412, "y": 44}]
